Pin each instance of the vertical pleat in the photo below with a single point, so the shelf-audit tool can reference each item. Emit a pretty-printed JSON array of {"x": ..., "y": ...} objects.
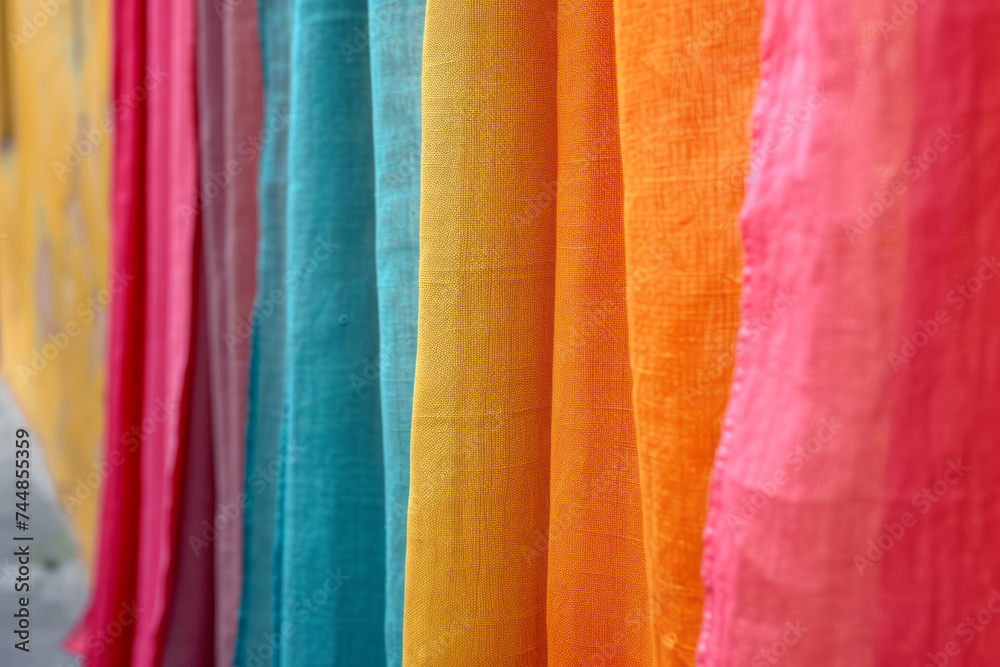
[
  {"x": 597, "y": 603},
  {"x": 687, "y": 74},
  {"x": 267, "y": 340},
  {"x": 118, "y": 529},
  {"x": 397, "y": 36},
  {"x": 172, "y": 185},
  {"x": 481, "y": 417},
  {"x": 332, "y": 524}
]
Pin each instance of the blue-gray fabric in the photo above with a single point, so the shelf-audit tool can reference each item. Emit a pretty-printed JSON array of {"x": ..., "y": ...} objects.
[{"x": 397, "y": 35}]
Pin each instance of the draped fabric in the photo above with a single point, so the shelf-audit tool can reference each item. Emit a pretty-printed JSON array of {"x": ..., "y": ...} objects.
[
  {"x": 189, "y": 625},
  {"x": 481, "y": 418},
  {"x": 230, "y": 135},
  {"x": 267, "y": 351},
  {"x": 596, "y": 585},
  {"x": 852, "y": 517},
  {"x": 117, "y": 556},
  {"x": 331, "y": 532},
  {"x": 397, "y": 34},
  {"x": 687, "y": 76},
  {"x": 172, "y": 187}
]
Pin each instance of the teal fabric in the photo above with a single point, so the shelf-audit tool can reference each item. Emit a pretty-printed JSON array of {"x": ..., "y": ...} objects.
[
  {"x": 332, "y": 516},
  {"x": 397, "y": 35},
  {"x": 328, "y": 437},
  {"x": 256, "y": 640}
]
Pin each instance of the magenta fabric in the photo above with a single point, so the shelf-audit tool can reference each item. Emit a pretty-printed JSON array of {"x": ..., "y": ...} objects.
[
  {"x": 172, "y": 186},
  {"x": 853, "y": 503},
  {"x": 114, "y": 588},
  {"x": 189, "y": 639}
]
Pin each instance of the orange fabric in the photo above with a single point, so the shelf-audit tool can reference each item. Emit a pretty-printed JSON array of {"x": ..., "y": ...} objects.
[
  {"x": 687, "y": 75},
  {"x": 597, "y": 600},
  {"x": 481, "y": 418}
]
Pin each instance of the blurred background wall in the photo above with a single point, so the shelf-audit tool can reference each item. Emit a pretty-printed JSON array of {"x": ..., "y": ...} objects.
[{"x": 55, "y": 120}]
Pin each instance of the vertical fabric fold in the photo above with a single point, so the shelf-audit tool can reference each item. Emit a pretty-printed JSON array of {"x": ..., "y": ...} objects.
[
  {"x": 597, "y": 605},
  {"x": 397, "y": 37},
  {"x": 852, "y": 501},
  {"x": 231, "y": 106},
  {"x": 479, "y": 463},
  {"x": 332, "y": 516},
  {"x": 255, "y": 640},
  {"x": 115, "y": 577},
  {"x": 687, "y": 74},
  {"x": 189, "y": 626},
  {"x": 172, "y": 185}
]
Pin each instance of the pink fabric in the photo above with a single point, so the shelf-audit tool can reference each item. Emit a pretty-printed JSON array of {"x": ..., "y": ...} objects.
[
  {"x": 190, "y": 622},
  {"x": 114, "y": 591},
  {"x": 242, "y": 109},
  {"x": 853, "y": 509},
  {"x": 172, "y": 184}
]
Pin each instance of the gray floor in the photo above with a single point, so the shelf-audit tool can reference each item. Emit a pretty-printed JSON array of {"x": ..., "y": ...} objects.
[{"x": 58, "y": 579}]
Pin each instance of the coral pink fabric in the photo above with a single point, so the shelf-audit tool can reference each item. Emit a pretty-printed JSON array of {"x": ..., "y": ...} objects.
[
  {"x": 172, "y": 185},
  {"x": 853, "y": 506}
]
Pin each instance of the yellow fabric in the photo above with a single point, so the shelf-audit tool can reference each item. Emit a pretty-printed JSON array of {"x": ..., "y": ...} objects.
[
  {"x": 54, "y": 248},
  {"x": 481, "y": 419},
  {"x": 687, "y": 76}
]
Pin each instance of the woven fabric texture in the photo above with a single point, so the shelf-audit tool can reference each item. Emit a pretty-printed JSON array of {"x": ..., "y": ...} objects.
[{"x": 852, "y": 499}]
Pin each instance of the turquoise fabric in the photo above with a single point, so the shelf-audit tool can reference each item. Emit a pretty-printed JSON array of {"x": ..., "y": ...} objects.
[
  {"x": 256, "y": 640},
  {"x": 397, "y": 35},
  {"x": 332, "y": 516},
  {"x": 328, "y": 437}
]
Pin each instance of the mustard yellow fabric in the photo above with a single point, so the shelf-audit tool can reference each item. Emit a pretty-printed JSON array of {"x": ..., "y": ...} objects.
[
  {"x": 54, "y": 284},
  {"x": 481, "y": 418}
]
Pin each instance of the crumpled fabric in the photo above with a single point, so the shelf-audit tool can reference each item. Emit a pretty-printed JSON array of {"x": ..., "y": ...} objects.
[{"x": 852, "y": 516}]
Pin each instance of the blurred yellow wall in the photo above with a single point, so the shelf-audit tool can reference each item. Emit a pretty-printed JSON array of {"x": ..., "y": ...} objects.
[{"x": 55, "y": 113}]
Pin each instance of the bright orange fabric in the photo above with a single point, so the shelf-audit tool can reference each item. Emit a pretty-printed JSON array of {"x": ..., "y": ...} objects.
[
  {"x": 597, "y": 600},
  {"x": 481, "y": 418},
  {"x": 687, "y": 75}
]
